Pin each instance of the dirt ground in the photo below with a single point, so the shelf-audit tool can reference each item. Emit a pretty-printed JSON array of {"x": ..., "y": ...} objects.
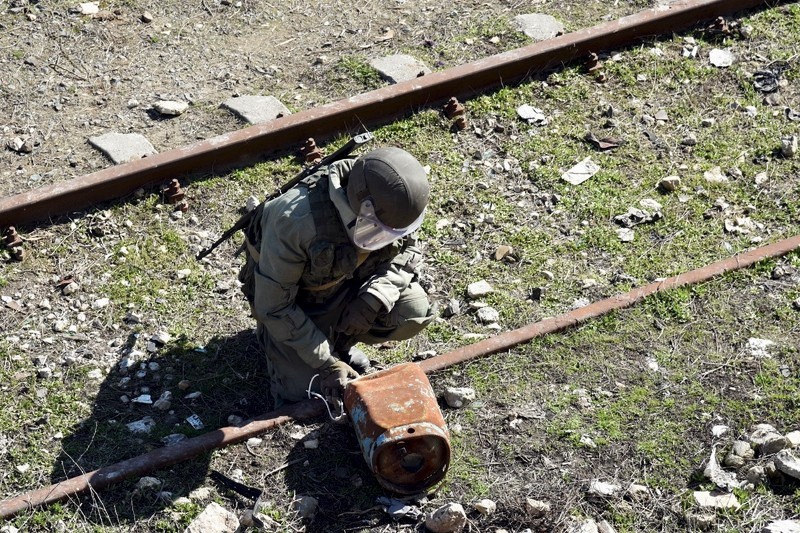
[{"x": 68, "y": 76}]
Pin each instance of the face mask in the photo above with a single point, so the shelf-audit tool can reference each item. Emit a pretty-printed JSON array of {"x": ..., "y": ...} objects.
[{"x": 370, "y": 233}]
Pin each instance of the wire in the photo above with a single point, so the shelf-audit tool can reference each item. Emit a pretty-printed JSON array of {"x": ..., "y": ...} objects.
[{"x": 312, "y": 395}]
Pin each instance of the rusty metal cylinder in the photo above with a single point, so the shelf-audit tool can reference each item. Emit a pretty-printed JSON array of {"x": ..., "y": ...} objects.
[{"x": 400, "y": 428}]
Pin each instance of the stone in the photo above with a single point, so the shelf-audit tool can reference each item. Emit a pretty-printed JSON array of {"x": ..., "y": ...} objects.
[
  {"x": 502, "y": 252},
  {"x": 214, "y": 518},
  {"x": 449, "y": 518},
  {"x": 488, "y": 315},
  {"x": 532, "y": 115},
  {"x": 782, "y": 526},
  {"x": 716, "y": 500},
  {"x": 459, "y": 396},
  {"x": 305, "y": 506},
  {"x": 743, "y": 449},
  {"x": 638, "y": 493},
  {"x": 399, "y": 68},
  {"x": 601, "y": 489},
  {"x": 756, "y": 475},
  {"x": 89, "y": 8},
  {"x": 721, "y": 58},
  {"x": 538, "y": 27},
  {"x": 119, "y": 148},
  {"x": 536, "y": 508},
  {"x": 788, "y": 463},
  {"x": 626, "y": 234},
  {"x": 200, "y": 493},
  {"x": 170, "y": 108},
  {"x": 479, "y": 289},
  {"x": 715, "y": 175},
  {"x": 148, "y": 483},
  {"x": 604, "y": 527},
  {"x": 256, "y": 109},
  {"x": 100, "y": 303},
  {"x": 789, "y": 146},
  {"x": 773, "y": 444},
  {"x": 164, "y": 401},
  {"x": 145, "y": 425},
  {"x": 793, "y": 437},
  {"x": 670, "y": 183},
  {"x": 584, "y": 526},
  {"x": 9, "y": 529},
  {"x": 485, "y": 506},
  {"x": 689, "y": 140},
  {"x": 701, "y": 521},
  {"x": 733, "y": 461},
  {"x": 760, "y": 348}
]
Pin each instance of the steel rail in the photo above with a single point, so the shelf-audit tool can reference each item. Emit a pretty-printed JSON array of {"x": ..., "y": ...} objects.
[
  {"x": 163, "y": 457},
  {"x": 370, "y": 109}
]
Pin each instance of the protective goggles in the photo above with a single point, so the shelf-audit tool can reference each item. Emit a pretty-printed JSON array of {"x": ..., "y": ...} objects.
[{"x": 371, "y": 234}]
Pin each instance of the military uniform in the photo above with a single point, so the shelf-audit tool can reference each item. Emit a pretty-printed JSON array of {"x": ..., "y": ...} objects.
[{"x": 302, "y": 271}]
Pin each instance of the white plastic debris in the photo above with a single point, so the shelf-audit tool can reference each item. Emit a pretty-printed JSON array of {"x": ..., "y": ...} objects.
[{"x": 581, "y": 172}]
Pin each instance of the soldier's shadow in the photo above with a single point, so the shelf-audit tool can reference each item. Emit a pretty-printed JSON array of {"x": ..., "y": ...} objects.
[{"x": 186, "y": 384}]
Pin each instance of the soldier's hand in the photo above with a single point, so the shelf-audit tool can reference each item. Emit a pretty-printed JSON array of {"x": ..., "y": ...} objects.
[
  {"x": 359, "y": 316},
  {"x": 334, "y": 378}
]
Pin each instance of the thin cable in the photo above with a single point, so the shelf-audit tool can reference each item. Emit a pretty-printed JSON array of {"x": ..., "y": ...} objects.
[{"x": 312, "y": 395}]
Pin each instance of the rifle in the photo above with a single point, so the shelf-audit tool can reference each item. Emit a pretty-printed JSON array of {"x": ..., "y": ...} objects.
[{"x": 245, "y": 219}]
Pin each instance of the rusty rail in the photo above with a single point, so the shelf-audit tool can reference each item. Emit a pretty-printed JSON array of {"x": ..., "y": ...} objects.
[
  {"x": 369, "y": 109},
  {"x": 167, "y": 456}
]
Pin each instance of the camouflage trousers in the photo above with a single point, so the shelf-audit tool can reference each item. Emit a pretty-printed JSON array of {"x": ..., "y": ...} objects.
[{"x": 290, "y": 376}]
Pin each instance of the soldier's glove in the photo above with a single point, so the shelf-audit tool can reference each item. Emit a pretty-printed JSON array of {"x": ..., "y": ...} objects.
[
  {"x": 359, "y": 316},
  {"x": 334, "y": 377}
]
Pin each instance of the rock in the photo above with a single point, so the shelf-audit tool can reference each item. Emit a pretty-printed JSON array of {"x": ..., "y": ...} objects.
[
  {"x": 756, "y": 475},
  {"x": 88, "y": 8},
  {"x": 164, "y": 401},
  {"x": 214, "y": 518},
  {"x": 701, "y": 521},
  {"x": 148, "y": 483},
  {"x": 120, "y": 148},
  {"x": 788, "y": 463},
  {"x": 733, "y": 461},
  {"x": 743, "y": 449},
  {"x": 759, "y": 433},
  {"x": 71, "y": 288},
  {"x": 708, "y": 122},
  {"x": 452, "y": 308},
  {"x": 605, "y": 527},
  {"x": 789, "y": 146},
  {"x": 716, "y": 500},
  {"x": 793, "y": 438},
  {"x": 719, "y": 430},
  {"x": 449, "y": 518},
  {"x": 459, "y": 396},
  {"x": 670, "y": 183},
  {"x": 689, "y": 140},
  {"x": 601, "y": 489},
  {"x": 502, "y": 252},
  {"x": 488, "y": 315},
  {"x": 584, "y": 526},
  {"x": 538, "y": 27},
  {"x": 144, "y": 399},
  {"x": 95, "y": 374},
  {"x": 718, "y": 476},
  {"x": 9, "y": 529},
  {"x": 399, "y": 67},
  {"x": 536, "y": 508},
  {"x": 200, "y": 493},
  {"x": 581, "y": 172},
  {"x": 173, "y": 439},
  {"x": 638, "y": 493},
  {"x": 625, "y": 234},
  {"x": 478, "y": 289},
  {"x": 721, "y": 58},
  {"x": 145, "y": 425},
  {"x": 782, "y": 526},
  {"x": 256, "y": 110},
  {"x": 305, "y": 506},
  {"x": 715, "y": 175},
  {"x": 146, "y": 17},
  {"x": 485, "y": 507},
  {"x": 773, "y": 444},
  {"x": 170, "y": 108},
  {"x": 100, "y": 303},
  {"x": 532, "y": 115},
  {"x": 760, "y": 348}
]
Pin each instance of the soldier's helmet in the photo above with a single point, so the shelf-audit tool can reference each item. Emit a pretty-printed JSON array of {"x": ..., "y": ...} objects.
[{"x": 388, "y": 190}]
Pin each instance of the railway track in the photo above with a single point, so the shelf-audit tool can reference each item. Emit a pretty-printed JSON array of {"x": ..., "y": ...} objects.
[{"x": 374, "y": 108}]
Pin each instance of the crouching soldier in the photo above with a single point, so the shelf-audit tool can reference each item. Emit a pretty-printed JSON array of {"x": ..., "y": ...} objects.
[{"x": 331, "y": 263}]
